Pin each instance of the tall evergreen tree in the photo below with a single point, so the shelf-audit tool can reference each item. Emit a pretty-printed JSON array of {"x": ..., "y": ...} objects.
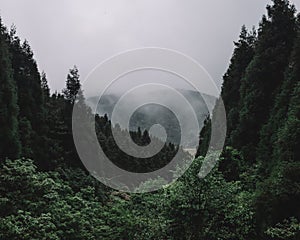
[
  {"x": 242, "y": 55},
  {"x": 279, "y": 114},
  {"x": 9, "y": 137},
  {"x": 264, "y": 75},
  {"x": 30, "y": 97},
  {"x": 44, "y": 86},
  {"x": 72, "y": 94},
  {"x": 288, "y": 142},
  {"x": 204, "y": 138},
  {"x": 72, "y": 85},
  {"x": 278, "y": 196}
]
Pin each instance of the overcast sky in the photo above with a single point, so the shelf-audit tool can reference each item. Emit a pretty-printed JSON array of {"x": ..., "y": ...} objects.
[{"x": 67, "y": 32}]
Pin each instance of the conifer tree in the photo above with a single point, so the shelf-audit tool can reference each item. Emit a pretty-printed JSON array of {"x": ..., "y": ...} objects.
[
  {"x": 266, "y": 155},
  {"x": 288, "y": 141},
  {"x": 264, "y": 75},
  {"x": 30, "y": 96},
  {"x": 72, "y": 85},
  {"x": 44, "y": 86},
  {"x": 73, "y": 94},
  {"x": 242, "y": 55},
  {"x": 204, "y": 138},
  {"x": 9, "y": 137}
]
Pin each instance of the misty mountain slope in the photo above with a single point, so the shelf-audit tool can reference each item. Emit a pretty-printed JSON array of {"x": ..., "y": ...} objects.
[{"x": 150, "y": 114}]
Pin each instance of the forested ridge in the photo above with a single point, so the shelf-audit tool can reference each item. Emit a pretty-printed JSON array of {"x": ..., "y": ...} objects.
[{"x": 253, "y": 192}]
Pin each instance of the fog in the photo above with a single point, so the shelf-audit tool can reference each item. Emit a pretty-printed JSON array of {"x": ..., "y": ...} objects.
[{"x": 85, "y": 33}]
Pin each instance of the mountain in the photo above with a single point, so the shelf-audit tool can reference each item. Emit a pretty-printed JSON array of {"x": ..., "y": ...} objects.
[{"x": 150, "y": 114}]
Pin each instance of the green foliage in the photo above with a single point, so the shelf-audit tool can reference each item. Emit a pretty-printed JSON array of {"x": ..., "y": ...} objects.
[
  {"x": 288, "y": 230},
  {"x": 231, "y": 165},
  {"x": 37, "y": 205},
  {"x": 209, "y": 208}
]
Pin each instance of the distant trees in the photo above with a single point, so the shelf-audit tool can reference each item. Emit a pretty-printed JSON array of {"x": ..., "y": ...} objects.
[{"x": 142, "y": 138}]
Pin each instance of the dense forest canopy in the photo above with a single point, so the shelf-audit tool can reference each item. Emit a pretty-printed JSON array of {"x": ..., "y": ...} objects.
[{"x": 253, "y": 192}]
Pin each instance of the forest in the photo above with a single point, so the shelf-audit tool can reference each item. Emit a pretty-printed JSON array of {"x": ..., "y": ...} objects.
[{"x": 252, "y": 193}]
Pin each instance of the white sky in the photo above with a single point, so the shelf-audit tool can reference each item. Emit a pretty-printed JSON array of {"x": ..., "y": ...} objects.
[{"x": 67, "y": 32}]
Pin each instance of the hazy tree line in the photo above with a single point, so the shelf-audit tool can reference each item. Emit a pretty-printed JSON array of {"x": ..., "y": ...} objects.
[{"x": 253, "y": 193}]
